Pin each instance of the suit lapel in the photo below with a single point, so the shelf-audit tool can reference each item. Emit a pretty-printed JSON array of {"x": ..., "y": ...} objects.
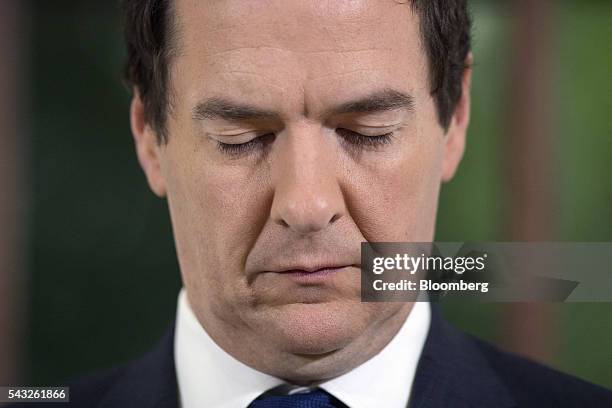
[
  {"x": 150, "y": 382},
  {"x": 452, "y": 372}
]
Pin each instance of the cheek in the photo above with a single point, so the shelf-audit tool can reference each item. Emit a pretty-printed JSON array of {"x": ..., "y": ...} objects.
[
  {"x": 217, "y": 214},
  {"x": 237, "y": 203},
  {"x": 395, "y": 198}
]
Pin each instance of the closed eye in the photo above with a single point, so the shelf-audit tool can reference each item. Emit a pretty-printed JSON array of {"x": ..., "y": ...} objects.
[
  {"x": 365, "y": 141},
  {"x": 237, "y": 149},
  {"x": 355, "y": 139}
]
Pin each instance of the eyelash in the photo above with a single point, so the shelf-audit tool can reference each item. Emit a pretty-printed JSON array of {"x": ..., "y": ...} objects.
[
  {"x": 363, "y": 141},
  {"x": 234, "y": 149},
  {"x": 356, "y": 139}
]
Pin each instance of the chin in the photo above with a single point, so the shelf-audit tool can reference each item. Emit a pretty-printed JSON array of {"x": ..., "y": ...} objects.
[{"x": 316, "y": 328}]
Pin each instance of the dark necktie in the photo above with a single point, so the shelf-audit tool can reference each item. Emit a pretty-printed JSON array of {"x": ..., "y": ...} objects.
[{"x": 317, "y": 398}]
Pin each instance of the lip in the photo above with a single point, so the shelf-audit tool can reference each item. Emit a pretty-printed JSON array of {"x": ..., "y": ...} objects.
[
  {"x": 312, "y": 275},
  {"x": 318, "y": 267}
]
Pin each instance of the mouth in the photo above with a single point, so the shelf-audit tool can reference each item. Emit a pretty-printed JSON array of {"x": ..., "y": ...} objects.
[{"x": 313, "y": 276}]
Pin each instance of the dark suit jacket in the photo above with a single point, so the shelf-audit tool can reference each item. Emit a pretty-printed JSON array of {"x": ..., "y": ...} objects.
[{"x": 455, "y": 370}]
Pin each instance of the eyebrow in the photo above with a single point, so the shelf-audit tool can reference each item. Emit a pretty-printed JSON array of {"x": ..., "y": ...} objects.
[
  {"x": 383, "y": 100},
  {"x": 219, "y": 108}
]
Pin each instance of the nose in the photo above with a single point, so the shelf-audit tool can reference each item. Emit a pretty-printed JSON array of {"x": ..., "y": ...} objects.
[{"x": 307, "y": 194}]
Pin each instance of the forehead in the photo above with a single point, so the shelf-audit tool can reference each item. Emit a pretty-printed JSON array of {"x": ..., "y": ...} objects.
[{"x": 296, "y": 50}]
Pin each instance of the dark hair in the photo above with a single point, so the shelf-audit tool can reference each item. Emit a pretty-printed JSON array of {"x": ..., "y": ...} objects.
[{"x": 149, "y": 35}]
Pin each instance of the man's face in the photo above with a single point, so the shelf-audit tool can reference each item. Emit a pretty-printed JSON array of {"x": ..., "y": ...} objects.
[{"x": 297, "y": 130}]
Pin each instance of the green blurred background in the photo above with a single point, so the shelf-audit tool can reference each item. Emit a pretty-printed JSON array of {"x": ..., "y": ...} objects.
[{"x": 102, "y": 270}]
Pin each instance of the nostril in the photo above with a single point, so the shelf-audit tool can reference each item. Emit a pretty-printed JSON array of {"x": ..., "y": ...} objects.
[
  {"x": 334, "y": 218},
  {"x": 282, "y": 223}
]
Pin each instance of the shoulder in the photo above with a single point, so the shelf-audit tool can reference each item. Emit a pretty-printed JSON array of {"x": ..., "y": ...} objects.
[
  {"x": 457, "y": 369},
  {"x": 89, "y": 389},
  {"x": 149, "y": 381},
  {"x": 533, "y": 384}
]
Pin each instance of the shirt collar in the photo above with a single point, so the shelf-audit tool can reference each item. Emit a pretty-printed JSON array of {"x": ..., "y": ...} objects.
[
  {"x": 210, "y": 377},
  {"x": 385, "y": 380}
]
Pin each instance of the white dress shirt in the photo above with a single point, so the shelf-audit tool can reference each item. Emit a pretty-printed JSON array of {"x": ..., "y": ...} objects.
[{"x": 209, "y": 377}]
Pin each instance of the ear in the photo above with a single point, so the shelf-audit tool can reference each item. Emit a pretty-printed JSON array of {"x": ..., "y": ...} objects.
[
  {"x": 147, "y": 148},
  {"x": 455, "y": 136}
]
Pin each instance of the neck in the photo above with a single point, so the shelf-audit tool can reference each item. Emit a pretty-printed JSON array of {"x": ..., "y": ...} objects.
[{"x": 262, "y": 353}]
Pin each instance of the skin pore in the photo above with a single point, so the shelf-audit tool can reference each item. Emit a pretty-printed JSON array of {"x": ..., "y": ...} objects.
[{"x": 297, "y": 129}]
